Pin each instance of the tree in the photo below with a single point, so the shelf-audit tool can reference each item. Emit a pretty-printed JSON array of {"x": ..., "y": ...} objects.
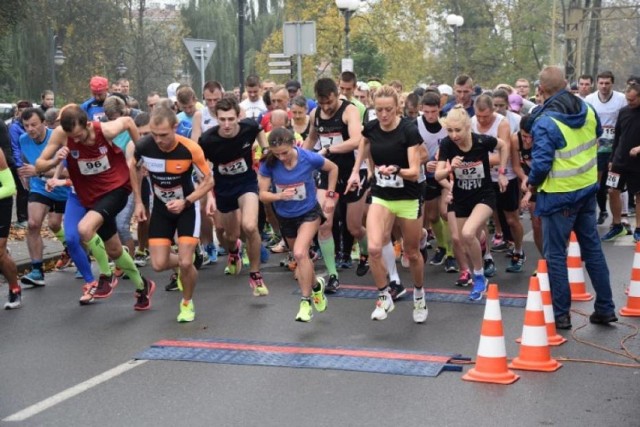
[{"x": 367, "y": 59}]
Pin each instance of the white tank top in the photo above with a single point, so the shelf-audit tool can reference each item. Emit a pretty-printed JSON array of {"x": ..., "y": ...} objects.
[
  {"x": 208, "y": 121},
  {"x": 431, "y": 140},
  {"x": 493, "y": 131}
]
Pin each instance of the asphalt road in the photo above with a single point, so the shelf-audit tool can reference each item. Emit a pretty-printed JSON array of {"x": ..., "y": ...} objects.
[{"x": 52, "y": 344}]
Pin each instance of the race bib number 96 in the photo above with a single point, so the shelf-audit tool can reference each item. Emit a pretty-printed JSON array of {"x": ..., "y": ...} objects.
[{"x": 93, "y": 166}]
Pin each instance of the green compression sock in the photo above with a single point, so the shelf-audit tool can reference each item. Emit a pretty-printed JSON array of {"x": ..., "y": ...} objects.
[
  {"x": 126, "y": 264},
  {"x": 60, "y": 235},
  {"x": 328, "y": 249},
  {"x": 363, "y": 246},
  {"x": 97, "y": 249}
]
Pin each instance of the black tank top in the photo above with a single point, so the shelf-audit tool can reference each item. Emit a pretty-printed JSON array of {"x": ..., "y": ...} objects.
[
  {"x": 525, "y": 155},
  {"x": 334, "y": 131}
]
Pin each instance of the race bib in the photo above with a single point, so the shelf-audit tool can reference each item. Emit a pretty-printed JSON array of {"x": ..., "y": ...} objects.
[
  {"x": 94, "y": 166},
  {"x": 388, "y": 181},
  {"x": 329, "y": 139},
  {"x": 168, "y": 194},
  {"x": 423, "y": 174},
  {"x": 235, "y": 167},
  {"x": 613, "y": 179},
  {"x": 608, "y": 132},
  {"x": 300, "y": 191},
  {"x": 470, "y": 171}
]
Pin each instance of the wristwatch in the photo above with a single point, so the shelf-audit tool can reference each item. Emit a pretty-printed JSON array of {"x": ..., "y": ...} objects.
[
  {"x": 332, "y": 195},
  {"x": 501, "y": 170}
]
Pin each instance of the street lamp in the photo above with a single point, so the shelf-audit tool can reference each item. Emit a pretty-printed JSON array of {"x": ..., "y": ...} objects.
[
  {"x": 455, "y": 22},
  {"x": 57, "y": 59},
  {"x": 347, "y": 7},
  {"x": 121, "y": 69}
]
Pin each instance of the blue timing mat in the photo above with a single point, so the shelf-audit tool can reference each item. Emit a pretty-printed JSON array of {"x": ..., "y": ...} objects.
[
  {"x": 432, "y": 295},
  {"x": 296, "y": 355}
]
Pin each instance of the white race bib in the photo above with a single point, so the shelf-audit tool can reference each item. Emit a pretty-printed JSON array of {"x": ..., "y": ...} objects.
[
  {"x": 94, "y": 166},
  {"x": 470, "y": 171},
  {"x": 168, "y": 194},
  {"x": 329, "y": 139},
  {"x": 423, "y": 174},
  {"x": 608, "y": 132},
  {"x": 300, "y": 191},
  {"x": 613, "y": 179},
  {"x": 391, "y": 181},
  {"x": 235, "y": 167}
]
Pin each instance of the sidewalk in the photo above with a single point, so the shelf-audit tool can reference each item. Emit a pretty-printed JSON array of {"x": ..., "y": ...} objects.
[{"x": 17, "y": 246}]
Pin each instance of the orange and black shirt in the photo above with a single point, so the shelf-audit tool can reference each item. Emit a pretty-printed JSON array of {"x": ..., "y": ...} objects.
[{"x": 171, "y": 171}]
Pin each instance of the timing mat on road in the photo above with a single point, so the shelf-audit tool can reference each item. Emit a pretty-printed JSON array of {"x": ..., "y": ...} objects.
[
  {"x": 296, "y": 355},
  {"x": 434, "y": 295}
]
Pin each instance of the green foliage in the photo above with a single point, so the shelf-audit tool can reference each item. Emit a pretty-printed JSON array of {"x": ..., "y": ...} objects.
[{"x": 367, "y": 59}]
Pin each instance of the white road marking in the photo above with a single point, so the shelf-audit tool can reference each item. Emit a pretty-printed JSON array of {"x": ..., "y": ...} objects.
[{"x": 73, "y": 391}]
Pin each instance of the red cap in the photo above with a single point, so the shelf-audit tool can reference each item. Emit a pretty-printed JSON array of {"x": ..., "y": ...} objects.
[{"x": 98, "y": 84}]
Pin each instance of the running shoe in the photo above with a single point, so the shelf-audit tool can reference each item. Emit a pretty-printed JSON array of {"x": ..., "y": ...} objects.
[
  {"x": 14, "y": 300},
  {"x": 78, "y": 275},
  {"x": 451, "y": 265},
  {"x": 143, "y": 296},
  {"x": 118, "y": 273},
  {"x": 318, "y": 297},
  {"x": 614, "y": 232},
  {"x": 355, "y": 252},
  {"x": 234, "y": 262},
  {"x": 88, "y": 293},
  {"x": 497, "y": 239},
  {"x": 245, "y": 257},
  {"x": 174, "y": 283},
  {"x": 64, "y": 261},
  {"x": 257, "y": 284},
  {"x": 212, "y": 251},
  {"x": 420, "y": 310},
  {"x": 500, "y": 245},
  {"x": 465, "y": 279},
  {"x": 221, "y": 251},
  {"x": 140, "y": 258},
  {"x": 343, "y": 261},
  {"x": 397, "y": 249},
  {"x": 332, "y": 285},
  {"x": 305, "y": 313},
  {"x": 627, "y": 228},
  {"x": 275, "y": 239},
  {"x": 384, "y": 305},
  {"x": 517, "y": 263},
  {"x": 292, "y": 264},
  {"x": 489, "y": 267},
  {"x": 279, "y": 248},
  {"x": 34, "y": 278},
  {"x": 439, "y": 256},
  {"x": 602, "y": 217},
  {"x": 187, "y": 312},
  {"x": 106, "y": 285},
  {"x": 479, "y": 288},
  {"x": 396, "y": 290},
  {"x": 363, "y": 265},
  {"x": 636, "y": 235}
]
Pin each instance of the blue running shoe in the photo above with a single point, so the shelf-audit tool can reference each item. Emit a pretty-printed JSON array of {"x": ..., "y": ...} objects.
[
  {"x": 212, "y": 251},
  {"x": 636, "y": 235},
  {"x": 615, "y": 231},
  {"x": 489, "y": 267},
  {"x": 479, "y": 288},
  {"x": 34, "y": 278}
]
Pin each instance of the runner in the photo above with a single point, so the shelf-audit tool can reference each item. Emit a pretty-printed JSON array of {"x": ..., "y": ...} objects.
[
  {"x": 466, "y": 155},
  {"x": 41, "y": 202},
  {"x": 288, "y": 170},
  {"x": 7, "y": 265},
  {"x": 229, "y": 147},
  {"x": 335, "y": 133},
  {"x": 170, "y": 160},
  {"x": 395, "y": 147},
  {"x": 100, "y": 173}
]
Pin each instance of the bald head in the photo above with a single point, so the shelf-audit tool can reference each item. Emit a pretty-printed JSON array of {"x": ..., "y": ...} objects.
[
  {"x": 552, "y": 81},
  {"x": 279, "y": 119}
]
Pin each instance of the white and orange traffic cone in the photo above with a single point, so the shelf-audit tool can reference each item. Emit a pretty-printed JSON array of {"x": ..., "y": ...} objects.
[
  {"x": 534, "y": 349},
  {"x": 491, "y": 363},
  {"x": 632, "y": 309},
  {"x": 576, "y": 272},
  {"x": 547, "y": 306}
]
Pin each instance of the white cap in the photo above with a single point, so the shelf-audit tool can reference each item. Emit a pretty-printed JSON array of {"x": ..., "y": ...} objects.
[
  {"x": 445, "y": 90},
  {"x": 362, "y": 86},
  {"x": 171, "y": 91}
]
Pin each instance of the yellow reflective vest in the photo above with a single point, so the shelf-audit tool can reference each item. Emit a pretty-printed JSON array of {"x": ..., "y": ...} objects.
[{"x": 575, "y": 166}]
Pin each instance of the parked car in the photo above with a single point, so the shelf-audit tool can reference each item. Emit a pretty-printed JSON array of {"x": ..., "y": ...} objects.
[{"x": 6, "y": 112}]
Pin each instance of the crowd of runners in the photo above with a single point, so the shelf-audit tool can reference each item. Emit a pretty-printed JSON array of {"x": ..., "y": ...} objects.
[{"x": 365, "y": 173}]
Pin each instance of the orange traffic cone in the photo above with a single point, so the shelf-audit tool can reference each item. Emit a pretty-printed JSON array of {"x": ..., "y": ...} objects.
[
  {"x": 543, "y": 279},
  {"x": 534, "y": 349},
  {"x": 575, "y": 271},
  {"x": 633, "y": 300},
  {"x": 491, "y": 363}
]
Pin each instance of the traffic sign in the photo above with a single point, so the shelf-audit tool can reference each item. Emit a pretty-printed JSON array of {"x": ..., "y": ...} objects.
[
  {"x": 280, "y": 71},
  {"x": 200, "y": 50},
  {"x": 280, "y": 64}
]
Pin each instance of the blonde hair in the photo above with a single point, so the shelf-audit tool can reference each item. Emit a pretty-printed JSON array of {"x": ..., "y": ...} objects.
[
  {"x": 458, "y": 114},
  {"x": 386, "y": 91}
]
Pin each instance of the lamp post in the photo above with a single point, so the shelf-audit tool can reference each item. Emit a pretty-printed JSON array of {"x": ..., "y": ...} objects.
[
  {"x": 455, "y": 22},
  {"x": 57, "y": 59},
  {"x": 347, "y": 8},
  {"x": 121, "y": 69}
]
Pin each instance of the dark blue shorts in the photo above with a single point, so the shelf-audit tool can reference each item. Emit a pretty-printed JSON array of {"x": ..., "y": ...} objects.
[{"x": 227, "y": 201}]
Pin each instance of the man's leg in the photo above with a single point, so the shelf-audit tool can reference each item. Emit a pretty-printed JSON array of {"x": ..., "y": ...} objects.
[{"x": 556, "y": 229}]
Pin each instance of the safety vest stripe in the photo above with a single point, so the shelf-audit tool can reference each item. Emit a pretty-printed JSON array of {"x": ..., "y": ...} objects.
[
  {"x": 571, "y": 172},
  {"x": 575, "y": 151}
]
